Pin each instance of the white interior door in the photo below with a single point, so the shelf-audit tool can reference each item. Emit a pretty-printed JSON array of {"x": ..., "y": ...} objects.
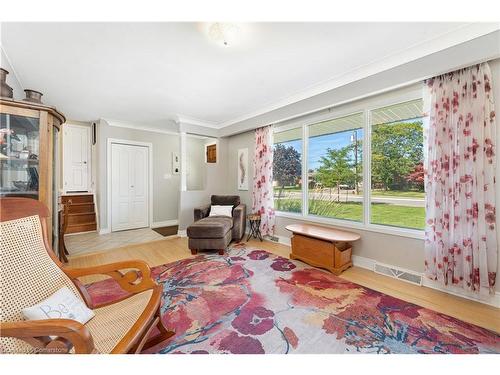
[
  {"x": 129, "y": 186},
  {"x": 76, "y": 157}
]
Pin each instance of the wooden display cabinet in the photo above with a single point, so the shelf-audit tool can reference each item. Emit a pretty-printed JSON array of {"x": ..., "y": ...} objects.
[{"x": 29, "y": 154}]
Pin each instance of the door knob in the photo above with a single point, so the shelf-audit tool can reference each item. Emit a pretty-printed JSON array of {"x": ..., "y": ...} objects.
[{"x": 84, "y": 162}]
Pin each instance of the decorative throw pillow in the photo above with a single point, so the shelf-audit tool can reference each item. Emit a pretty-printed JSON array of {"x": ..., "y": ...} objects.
[
  {"x": 221, "y": 211},
  {"x": 63, "y": 304}
]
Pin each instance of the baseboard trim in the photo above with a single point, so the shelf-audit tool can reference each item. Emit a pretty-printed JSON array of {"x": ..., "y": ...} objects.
[
  {"x": 363, "y": 262},
  {"x": 182, "y": 233},
  {"x": 104, "y": 231},
  {"x": 165, "y": 223},
  {"x": 281, "y": 239},
  {"x": 287, "y": 241},
  {"x": 491, "y": 300}
]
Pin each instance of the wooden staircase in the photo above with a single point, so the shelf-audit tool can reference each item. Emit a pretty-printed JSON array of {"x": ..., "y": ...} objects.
[{"x": 81, "y": 213}]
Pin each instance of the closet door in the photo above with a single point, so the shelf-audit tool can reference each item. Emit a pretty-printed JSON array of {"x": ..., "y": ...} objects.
[
  {"x": 139, "y": 201},
  {"x": 129, "y": 187}
]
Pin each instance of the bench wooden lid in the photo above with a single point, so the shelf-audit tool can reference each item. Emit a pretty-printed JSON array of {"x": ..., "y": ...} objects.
[{"x": 323, "y": 233}]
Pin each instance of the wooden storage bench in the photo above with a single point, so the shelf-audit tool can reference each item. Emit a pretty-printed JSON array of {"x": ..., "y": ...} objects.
[{"x": 322, "y": 247}]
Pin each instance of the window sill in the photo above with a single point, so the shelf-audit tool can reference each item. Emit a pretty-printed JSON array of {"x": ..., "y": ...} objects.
[{"x": 402, "y": 232}]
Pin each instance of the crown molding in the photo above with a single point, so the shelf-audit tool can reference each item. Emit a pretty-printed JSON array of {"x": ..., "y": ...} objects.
[
  {"x": 129, "y": 125},
  {"x": 189, "y": 135},
  {"x": 182, "y": 119},
  {"x": 205, "y": 133},
  {"x": 449, "y": 39}
]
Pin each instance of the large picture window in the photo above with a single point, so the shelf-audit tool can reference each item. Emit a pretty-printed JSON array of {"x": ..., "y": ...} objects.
[
  {"x": 364, "y": 167},
  {"x": 335, "y": 168}
]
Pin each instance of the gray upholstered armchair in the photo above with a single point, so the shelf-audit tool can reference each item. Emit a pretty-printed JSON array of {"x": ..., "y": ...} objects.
[{"x": 239, "y": 213}]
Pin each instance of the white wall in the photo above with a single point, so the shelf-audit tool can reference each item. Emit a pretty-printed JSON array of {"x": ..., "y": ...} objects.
[
  {"x": 165, "y": 191},
  {"x": 391, "y": 249},
  {"x": 216, "y": 183},
  {"x": 12, "y": 80},
  {"x": 243, "y": 140},
  {"x": 196, "y": 168}
]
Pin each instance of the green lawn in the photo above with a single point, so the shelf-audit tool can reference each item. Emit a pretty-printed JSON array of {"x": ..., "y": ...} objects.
[
  {"x": 381, "y": 213},
  {"x": 399, "y": 194}
]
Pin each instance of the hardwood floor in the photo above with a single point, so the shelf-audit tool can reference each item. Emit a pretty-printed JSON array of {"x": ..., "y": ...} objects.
[
  {"x": 91, "y": 242},
  {"x": 175, "y": 248}
]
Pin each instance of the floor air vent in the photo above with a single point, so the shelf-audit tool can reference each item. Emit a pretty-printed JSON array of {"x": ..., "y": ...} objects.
[{"x": 398, "y": 273}]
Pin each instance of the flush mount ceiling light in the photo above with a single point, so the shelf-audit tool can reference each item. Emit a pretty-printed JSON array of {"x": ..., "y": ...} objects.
[{"x": 225, "y": 34}]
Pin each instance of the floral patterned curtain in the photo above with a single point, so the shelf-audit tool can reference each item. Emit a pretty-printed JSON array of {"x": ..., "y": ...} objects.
[
  {"x": 262, "y": 195},
  {"x": 460, "y": 235}
]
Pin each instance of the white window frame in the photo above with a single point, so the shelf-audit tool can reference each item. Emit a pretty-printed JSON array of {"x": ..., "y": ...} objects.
[{"x": 365, "y": 106}]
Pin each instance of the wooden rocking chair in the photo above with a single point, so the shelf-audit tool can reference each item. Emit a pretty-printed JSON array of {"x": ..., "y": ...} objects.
[{"x": 31, "y": 272}]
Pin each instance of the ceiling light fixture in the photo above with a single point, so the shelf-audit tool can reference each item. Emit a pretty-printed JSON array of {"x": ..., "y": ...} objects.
[{"x": 224, "y": 34}]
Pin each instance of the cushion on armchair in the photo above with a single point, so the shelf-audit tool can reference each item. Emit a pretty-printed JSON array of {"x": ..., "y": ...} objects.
[
  {"x": 216, "y": 210},
  {"x": 62, "y": 304}
]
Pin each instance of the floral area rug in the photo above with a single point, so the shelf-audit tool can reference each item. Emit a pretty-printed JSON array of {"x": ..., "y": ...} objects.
[{"x": 251, "y": 301}]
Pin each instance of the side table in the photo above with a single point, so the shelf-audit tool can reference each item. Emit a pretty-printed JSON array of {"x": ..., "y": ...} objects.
[{"x": 254, "y": 220}]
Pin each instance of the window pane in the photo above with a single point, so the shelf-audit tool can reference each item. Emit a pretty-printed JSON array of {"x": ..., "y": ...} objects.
[
  {"x": 334, "y": 164},
  {"x": 397, "y": 175},
  {"x": 287, "y": 170}
]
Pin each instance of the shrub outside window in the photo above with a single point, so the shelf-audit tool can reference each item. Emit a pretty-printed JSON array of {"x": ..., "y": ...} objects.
[{"x": 287, "y": 170}]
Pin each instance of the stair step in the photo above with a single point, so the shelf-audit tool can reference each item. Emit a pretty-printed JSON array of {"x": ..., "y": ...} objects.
[
  {"x": 77, "y": 228},
  {"x": 81, "y": 218},
  {"x": 84, "y": 198},
  {"x": 81, "y": 208}
]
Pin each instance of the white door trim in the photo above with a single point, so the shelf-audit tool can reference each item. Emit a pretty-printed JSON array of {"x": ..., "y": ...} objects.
[
  {"x": 149, "y": 145},
  {"x": 65, "y": 158}
]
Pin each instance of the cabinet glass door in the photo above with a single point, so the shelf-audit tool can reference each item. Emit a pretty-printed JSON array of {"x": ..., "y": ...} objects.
[{"x": 19, "y": 156}]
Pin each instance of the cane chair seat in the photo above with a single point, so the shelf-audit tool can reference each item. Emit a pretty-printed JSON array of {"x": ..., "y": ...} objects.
[
  {"x": 28, "y": 275},
  {"x": 111, "y": 323}
]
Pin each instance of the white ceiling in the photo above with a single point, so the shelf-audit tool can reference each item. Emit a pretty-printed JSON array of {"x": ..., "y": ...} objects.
[{"x": 148, "y": 73}]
